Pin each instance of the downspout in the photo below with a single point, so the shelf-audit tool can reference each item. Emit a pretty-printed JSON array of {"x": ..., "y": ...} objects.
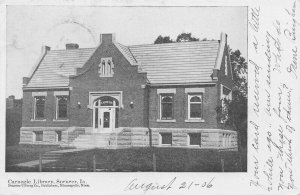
[{"x": 148, "y": 119}]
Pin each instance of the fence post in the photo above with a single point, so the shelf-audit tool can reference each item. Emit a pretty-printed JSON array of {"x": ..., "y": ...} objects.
[
  {"x": 40, "y": 162},
  {"x": 222, "y": 164},
  {"x": 154, "y": 162},
  {"x": 94, "y": 163}
]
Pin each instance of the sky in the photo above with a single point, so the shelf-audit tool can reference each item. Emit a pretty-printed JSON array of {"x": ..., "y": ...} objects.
[{"x": 28, "y": 28}]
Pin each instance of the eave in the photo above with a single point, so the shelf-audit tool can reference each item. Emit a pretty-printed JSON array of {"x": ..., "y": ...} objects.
[{"x": 47, "y": 88}]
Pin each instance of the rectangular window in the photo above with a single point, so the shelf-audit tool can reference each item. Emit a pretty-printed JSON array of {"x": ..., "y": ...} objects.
[
  {"x": 226, "y": 95},
  {"x": 166, "y": 138},
  {"x": 167, "y": 106},
  {"x": 58, "y": 136},
  {"x": 62, "y": 107},
  {"x": 38, "y": 136},
  {"x": 39, "y": 107},
  {"x": 195, "y": 139},
  {"x": 195, "y": 104}
]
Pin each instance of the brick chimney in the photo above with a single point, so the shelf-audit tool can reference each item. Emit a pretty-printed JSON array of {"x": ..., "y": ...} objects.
[
  {"x": 107, "y": 38},
  {"x": 72, "y": 46},
  {"x": 10, "y": 102},
  {"x": 223, "y": 37}
]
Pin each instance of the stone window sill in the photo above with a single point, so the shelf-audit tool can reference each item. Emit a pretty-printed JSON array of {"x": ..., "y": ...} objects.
[
  {"x": 106, "y": 76},
  {"x": 39, "y": 120},
  {"x": 60, "y": 120},
  {"x": 165, "y": 145},
  {"x": 194, "y": 146},
  {"x": 166, "y": 121},
  {"x": 194, "y": 120}
]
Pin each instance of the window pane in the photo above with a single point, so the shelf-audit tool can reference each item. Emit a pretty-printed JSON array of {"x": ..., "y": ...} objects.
[
  {"x": 58, "y": 134},
  {"x": 39, "y": 111},
  {"x": 166, "y": 107},
  {"x": 166, "y": 138},
  {"x": 62, "y": 111},
  {"x": 40, "y": 107},
  {"x": 103, "y": 67},
  {"x": 195, "y": 111},
  {"x": 106, "y": 118},
  {"x": 195, "y": 139},
  {"x": 195, "y": 99},
  {"x": 39, "y": 136},
  {"x": 96, "y": 118},
  {"x": 62, "y": 106},
  {"x": 117, "y": 118},
  {"x": 226, "y": 91},
  {"x": 167, "y": 111},
  {"x": 107, "y": 101},
  {"x": 167, "y": 99}
]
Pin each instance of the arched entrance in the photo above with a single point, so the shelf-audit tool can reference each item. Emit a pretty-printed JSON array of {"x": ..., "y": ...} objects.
[{"x": 105, "y": 114}]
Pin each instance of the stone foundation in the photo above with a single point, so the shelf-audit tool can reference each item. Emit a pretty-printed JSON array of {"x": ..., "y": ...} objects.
[
  {"x": 210, "y": 138},
  {"x": 134, "y": 137},
  {"x": 50, "y": 136},
  {"x": 139, "y": 137}
]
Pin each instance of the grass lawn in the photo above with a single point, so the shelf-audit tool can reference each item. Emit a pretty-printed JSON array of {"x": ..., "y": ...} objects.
[
  {"x": 141, "y": 159},
  {"x": 129, "y": 159}
]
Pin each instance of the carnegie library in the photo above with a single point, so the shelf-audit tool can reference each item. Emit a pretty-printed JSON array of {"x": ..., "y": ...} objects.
[{"x": 113, "y": 96}]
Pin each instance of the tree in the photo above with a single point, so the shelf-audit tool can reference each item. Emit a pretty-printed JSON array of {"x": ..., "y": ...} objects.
[
  {"x": 183, "y": 37},
  {"x": 186, "y": 37},
  {"x": 160, "y": 39},
  {"x": 234, "y": 112}
]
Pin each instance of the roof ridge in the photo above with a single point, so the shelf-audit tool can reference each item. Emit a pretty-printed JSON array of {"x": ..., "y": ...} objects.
[
  {"x": 121, "y": 50},
  {"x": 82, "y": 48},
  {"x": 187, "y": 42}
]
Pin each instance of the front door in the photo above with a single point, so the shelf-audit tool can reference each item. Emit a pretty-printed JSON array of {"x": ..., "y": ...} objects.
[
  {"x": 106, "y": 119},
  {"x": 105, "y": 110}
]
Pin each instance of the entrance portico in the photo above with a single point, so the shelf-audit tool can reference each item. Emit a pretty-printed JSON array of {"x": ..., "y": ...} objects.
[{"x": 105, "y": 111}]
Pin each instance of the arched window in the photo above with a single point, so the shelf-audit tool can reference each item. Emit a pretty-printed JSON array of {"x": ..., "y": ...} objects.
[
  {"x": 167, "y": 101},
  {"x": 40, "y": 107},
  {"x": 106, "y": 101},
  {"x": 103, "y": 68},
  {"x": 195, "y": 106},
  {"x": 109, "y": 67},
  {"x": 62, "y": 107},
  {"x": 106, "y": 67}
]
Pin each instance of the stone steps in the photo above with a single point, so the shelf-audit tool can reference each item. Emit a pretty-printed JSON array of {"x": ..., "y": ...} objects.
[
  {"x": 125, "y": 138},
  {"x": 92, "y": 141}
]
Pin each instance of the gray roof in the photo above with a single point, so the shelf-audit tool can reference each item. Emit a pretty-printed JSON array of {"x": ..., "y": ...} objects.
[
  {"x": 171, "y": 63},
  {"x": 57, "y": 65},
  {"x": 187, "y": 62}
]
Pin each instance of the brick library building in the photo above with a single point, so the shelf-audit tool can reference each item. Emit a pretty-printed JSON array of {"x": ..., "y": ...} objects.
[{"x": 114, "y": 96}]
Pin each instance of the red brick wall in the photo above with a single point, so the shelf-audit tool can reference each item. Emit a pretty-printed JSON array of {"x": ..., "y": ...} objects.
[
  {"x": 181, "y": 109},
  {"x": 126, "y": 79},
  {"x": 27, "y": 111}
]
